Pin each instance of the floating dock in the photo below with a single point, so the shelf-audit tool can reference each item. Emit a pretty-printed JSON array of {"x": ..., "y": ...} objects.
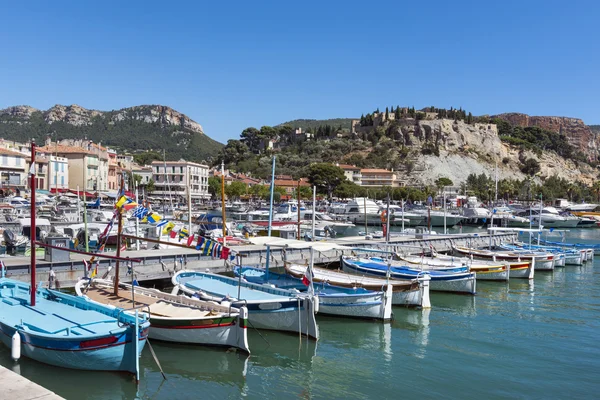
[
  {"x": 163, "y": 263},
  {"x": 14, "y": 386}
]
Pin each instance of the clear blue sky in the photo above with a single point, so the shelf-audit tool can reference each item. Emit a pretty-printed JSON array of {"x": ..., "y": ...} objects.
[{"x": 230, "y": 65}]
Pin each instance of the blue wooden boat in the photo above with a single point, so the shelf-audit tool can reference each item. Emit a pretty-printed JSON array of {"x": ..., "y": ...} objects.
[
  {"x": 591, "y": 249},
  {"x": 268, "y": 307},
  {"x": 65, "y": 330},
  {"x": 354, "y": 302},
  {"x": 68, "y": 331},
  {"x": 458, "y": 281}
]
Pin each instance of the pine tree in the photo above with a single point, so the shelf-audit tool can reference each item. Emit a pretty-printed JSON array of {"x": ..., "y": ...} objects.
[{"x": 387, "y": 113}]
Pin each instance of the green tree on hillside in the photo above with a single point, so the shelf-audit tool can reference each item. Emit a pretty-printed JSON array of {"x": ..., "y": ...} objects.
[{"x": 325, "y": 177}]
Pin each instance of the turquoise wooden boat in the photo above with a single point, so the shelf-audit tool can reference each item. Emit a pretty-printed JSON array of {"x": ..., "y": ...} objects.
[{"x": 69, "y": 331}]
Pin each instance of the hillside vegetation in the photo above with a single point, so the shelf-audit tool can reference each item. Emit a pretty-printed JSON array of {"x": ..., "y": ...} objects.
[{"x": 123, "y": 130}]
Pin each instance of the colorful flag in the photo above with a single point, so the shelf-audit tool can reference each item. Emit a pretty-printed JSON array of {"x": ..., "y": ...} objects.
[
  {"x": 183, "y": 233},
  {"x": 225, "y": 253},
  {"x": 172, "y": 234},
  {"x": 153, "y": 218},
  {"x": 140, "y": 212},
  {"x": 190, "y": 240},
  {"x": 168, "y": 228},
  {"x": 308, "y": 277},
  {"x": 121, "y": 202},
  {"x": 199, "y": 243}
]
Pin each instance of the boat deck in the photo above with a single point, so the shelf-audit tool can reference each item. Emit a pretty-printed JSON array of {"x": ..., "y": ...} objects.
[
  {"x": 225, "y": 289},
  {"x": 51, "y": 317},
  {"x": 158, "y": 307}
]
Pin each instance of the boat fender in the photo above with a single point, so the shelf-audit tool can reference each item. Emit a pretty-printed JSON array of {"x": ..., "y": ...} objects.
[{"x": 15, "y": 350}]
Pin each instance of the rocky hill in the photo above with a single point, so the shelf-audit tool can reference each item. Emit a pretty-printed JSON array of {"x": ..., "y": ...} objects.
[
  {"x": 577, "y": 132},
  {"x": 458, "y": 149},
  {"x": 134, "y": 129}
]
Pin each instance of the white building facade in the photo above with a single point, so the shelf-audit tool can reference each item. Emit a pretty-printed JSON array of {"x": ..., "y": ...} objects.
[{"x": 175, "y": 179}]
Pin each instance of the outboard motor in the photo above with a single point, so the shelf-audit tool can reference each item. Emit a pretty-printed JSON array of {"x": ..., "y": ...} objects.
[
  {"x": 10, "y": 239},
  {"x": 329, "y": 230}
]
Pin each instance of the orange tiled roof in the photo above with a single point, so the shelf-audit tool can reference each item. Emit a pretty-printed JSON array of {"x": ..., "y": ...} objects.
[
  {"x": 54, "y": 149},
  {"x": 375, "y": 170},
  {"x": 11, "y": 152},
  {"x": 290, "y": 183},
  {"x": 348, "y": 166}
]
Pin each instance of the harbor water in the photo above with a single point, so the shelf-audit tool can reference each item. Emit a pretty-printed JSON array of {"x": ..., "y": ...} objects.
[{"x": 519, "y": 339}]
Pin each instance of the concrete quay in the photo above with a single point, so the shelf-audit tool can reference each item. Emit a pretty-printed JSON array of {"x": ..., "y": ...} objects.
[
  {"x": 15, "y": 386},
  {"x": 163, "y": 263}
]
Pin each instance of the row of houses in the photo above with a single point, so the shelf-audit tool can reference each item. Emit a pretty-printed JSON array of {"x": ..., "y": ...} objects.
[{"x": 82, "y": 165}]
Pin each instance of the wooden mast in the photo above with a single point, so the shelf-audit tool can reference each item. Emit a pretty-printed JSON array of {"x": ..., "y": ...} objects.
[
  {"x": 32, "y": 229},
  {"x": 298, "y": 208},
  {"x": 119, "y": 229}
]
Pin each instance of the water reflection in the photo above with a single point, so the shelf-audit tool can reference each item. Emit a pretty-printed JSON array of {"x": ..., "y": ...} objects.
[{"x": 106, "y": 385}]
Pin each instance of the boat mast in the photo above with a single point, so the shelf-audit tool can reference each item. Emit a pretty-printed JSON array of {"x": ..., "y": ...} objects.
[
  {"x": 223, "y": 201},
  {"x": 119, "y": 229},
  {"x": 270, "y": 217},
  {"x": 314, "y": 211},
  {"x": 167, "y": 179},
  {"x": 387, "y": 220},
  {"x": 365, "y": 208},
  {"x": 32, "y": 233},
  {"x": 298, "y": 207},
  {"x": 189, "y": 201}
]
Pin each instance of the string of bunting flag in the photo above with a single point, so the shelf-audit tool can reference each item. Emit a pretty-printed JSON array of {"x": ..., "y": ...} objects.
[{"x": 208, "y": 247}]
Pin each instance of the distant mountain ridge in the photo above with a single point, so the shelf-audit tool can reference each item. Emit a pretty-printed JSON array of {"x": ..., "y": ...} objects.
[{"x": 133, "y": 129}]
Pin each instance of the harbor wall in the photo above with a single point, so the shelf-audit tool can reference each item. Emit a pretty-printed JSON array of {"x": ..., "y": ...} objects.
[{"x": 164, "y": 263}]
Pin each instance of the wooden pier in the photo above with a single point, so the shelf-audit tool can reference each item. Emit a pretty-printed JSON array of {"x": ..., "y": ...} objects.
[
  {"x": 15, "y": 386},
  {"x": 163, "y": 263}
]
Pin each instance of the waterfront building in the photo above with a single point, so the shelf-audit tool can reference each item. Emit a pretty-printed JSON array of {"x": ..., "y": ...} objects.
[{"x": 173, "y": 179}]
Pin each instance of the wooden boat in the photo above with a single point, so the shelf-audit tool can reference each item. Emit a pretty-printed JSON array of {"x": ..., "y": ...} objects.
[
  {"x": 68, "y": 331},
  {"x": 567, "y": 256},
  {"x": 543, "y": 262},
  {"x": 461, "y": 282},
  {"x": 65, "y": 330},
  {"x": 488, "y": 272},
  {"x": 178, "y": 319},
  {"x": 413, "y": 292},
  {"x": 268, "y": 308},
  {"x": 333, "y": 300},
  {"x": 517, "y": 269},
  {"x": 591, "y": 249}
]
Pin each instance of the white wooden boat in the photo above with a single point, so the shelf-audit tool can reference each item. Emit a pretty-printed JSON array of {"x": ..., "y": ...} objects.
[
  {"x": 543, "y": 262},
  {"x": 404, "y": 292},
  {"x": 461, "y": 282},
  {"x": 268, "y": 308},
  {"x": 518, "y": 269},
  {"x": 493, "y": 271},
  {"x": 174, "y": 318}
]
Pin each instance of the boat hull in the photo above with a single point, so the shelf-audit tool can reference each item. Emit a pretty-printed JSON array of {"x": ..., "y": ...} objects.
[
  {"x": 225, "y": 331},
  {"x": 268, "y": 308},
  {"x": 376, "y": 305},
  {"x": 298, "y": 317},
  {"x": 67, "y": 353},
  {"x": 465, "y": 283},
  {"x": 499, "y": 274}
]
